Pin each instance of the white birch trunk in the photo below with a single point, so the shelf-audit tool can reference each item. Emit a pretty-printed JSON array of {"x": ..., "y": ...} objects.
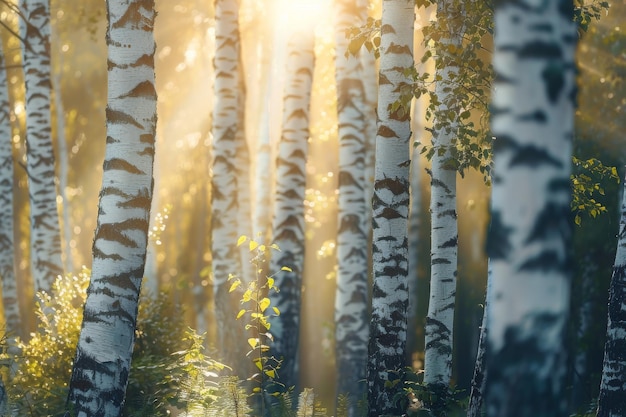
[
  {"x": 444, "y": 229},
  {"x": 369, "y": 75},
  {"x": 45, "y": 232},
  {"x": 388, "y": 327},
  {"x": 479, "y": 378},
  {"x": 529, "y": 239},
  {"x": 351, "y": 297},
  {"x": 7, "y": 252},
  {"x": 102, "y": 364},
  {"x": 288, "y": 225},
  {"x": 225, "y": 253},
  {"x": 612, "y": 398}
]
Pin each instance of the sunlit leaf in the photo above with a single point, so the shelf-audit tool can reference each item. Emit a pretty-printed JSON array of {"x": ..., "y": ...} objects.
[
  {"x": 253, "y": 341},
  {"x": 241, "y": 313},
  {"x": 270, "y": 282},
  {"x": 271, "y": 373},
  {"x": 264, "y": 303},
  {"x": 234, "y": 285},
  {"x": 276, "y": 311},
  {"x": 286, "y": 268},
  {"x": 253, "y": 245},
  {"x": 241, "y": 240}
]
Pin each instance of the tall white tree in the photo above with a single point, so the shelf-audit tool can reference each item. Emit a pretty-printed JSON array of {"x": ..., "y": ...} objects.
[
  {"x": 351, "y": 297},
  {"x": 529, "y": 238},
  {"x": 102, "y": 364},
  {"x": 224, "y": 187},
  {"x": 288, "y": 225},
  {"x": 45, "y": 231},
  {"x": 444, "y": 228},
  {"x": 612, "y": 398},
  {"x": 390, "y": 204},
  {"x": 7, "y": 252}
]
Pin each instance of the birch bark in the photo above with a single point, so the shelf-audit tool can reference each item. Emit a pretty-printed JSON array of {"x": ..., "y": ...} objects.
[
  {"x": 102, "y": 365},
  {"x": 390, "y": 202}
]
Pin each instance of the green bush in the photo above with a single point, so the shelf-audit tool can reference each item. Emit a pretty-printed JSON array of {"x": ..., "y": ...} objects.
[{"x": 166, "y": 358}]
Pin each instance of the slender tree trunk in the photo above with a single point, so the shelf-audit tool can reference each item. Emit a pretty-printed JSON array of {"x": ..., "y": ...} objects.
[
  {"x": 352, "y": 298},
  {"x": 529, "y": 238},
  {"x": 102, "y": 364},
  {"x": 369, "y": 75},
  {"x": 580, "y": 365},
  {"x": 612, "y": 398},
  {"x": 224, "y": 187},
  {"x": 244, "y": 191},
  {"x": 288, "y": 226},
  {"x": 444, "y": 228},
  {"x": 390, "y": 295},
  {"x": 45, "y": 232},
  {"x": 479, "y": 379},
  {"x": 7, "y": 252}
]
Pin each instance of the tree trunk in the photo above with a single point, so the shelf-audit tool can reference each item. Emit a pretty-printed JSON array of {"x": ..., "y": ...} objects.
[
  {"x": 288, "y": 226},
  {"x": 444, "y": 228},
  {"x": 224, "y": 187},
  {"x": 102, "y": 364},
  {"x": 612, "y": 398},
  {"x": 352, "y": 298},
  {"x": 45, "y": 231},
  {"x": 390, "y": 204},
  {"x": 479, "y": 379},
  {"x": 7, "y": 252},
  {"x": 529, "y": 239}
]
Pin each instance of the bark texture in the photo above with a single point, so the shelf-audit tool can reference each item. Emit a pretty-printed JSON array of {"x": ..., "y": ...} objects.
[
  {"x": 351, "y": 297},
  {"x": 45, "y": 239},
  {"x": 224, "y": 186},
  {"x": 7, "y": 252},
  {"x": 390, "y": 297},
  {"x": 103, "y": 357},
  {"x": 288, "y": 225},
  {"x": 439, "y": 328},
  {"x": 612, "y": 398},
  {"x": 529, "y": 238}
]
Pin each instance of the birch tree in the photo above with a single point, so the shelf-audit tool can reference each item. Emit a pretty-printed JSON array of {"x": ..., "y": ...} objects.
[
  {"x": 612, "y": 398},
  {"x": 444, "y": 228},
  {"x": 45, "y": 239},
  {"x": 390, "y": 204},
  {"x": 529, "y": 238},
  {"x": 100, "y": 372},
  {"x": 224, "y": 187},
  {"x": 288, "y": 223},
  {"x": 351, "y": 297},
  {"x": 7, "y": 252}
]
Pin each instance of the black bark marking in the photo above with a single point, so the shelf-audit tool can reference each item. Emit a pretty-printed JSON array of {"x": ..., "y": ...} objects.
[
  {"x": 395, "y": 185},
  {"x": 386, "y": 132},
  {"x": 540, "y": 50},
  {"x": 533, "y": 157},
  {"x": 554, "y": 78},
  {"x": 498, "y": 244},
  {"x": 143, "y": 89},
  {"x": 546, "y": 261},
  {"x": 122, "y": 165},
  {"x": 554, "y": 220},
  {"x": 537, "y": 116},
  {"x": 118, "y": 117}
]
